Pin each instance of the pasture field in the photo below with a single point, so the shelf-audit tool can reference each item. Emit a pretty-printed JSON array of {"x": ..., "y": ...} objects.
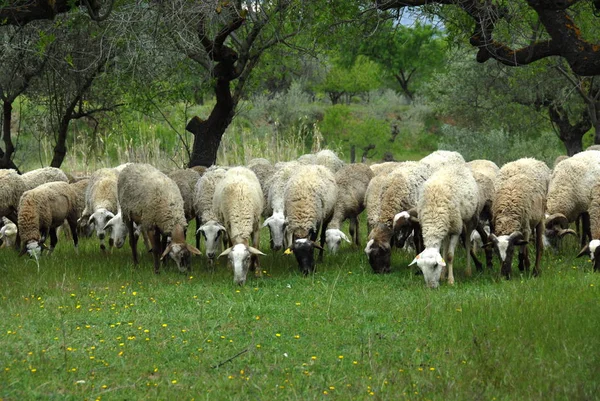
[{"x": 91, "y": 326}]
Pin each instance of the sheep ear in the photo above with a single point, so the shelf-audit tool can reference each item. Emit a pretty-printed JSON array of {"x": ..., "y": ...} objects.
[
  {"x": 193, "y": 249},
  {"x": 226, "y": 252},
  {"x": 345, "y": 238},
  {"x": 267, "y": 221},
  {"x": 318, "y": 246},
  {"x": 166, "y": 252},
  {"x": 109, "y": 223},
  {"x": 255, "y": 251},
  {"x": 91, "y": 219},
  {"x": 414, "y": 260},
  {"x": 521, "y": 242},
  {"x": 201, "y": 229},
  {"x": 221, "y": 227},
  {"x": 110, "y": 214},
  {"x": 440, "y": 261},
  {"x": 584, "y": 251}
]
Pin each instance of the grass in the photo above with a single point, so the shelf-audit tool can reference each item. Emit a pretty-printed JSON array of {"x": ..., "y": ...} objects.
[{"x": 91, "y": 326}]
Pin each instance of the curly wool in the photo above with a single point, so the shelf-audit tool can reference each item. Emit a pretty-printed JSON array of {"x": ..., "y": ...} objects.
[
  {"x": 569, "y": 190},
  {"x": 186, "y": 180},
  {"x": 264, "y": 170},
  {"x": 44, "y": 207},
  {"x": 275, "y": 197},
  {"x": 310, "y": 196},
  {"x": 80, "y": 188},
  {"x": 442, "y": 158},
  {"x": 352, "y": 181},
  {"x": 485, "y": 173},
  {"x": 12, "y": 187},
  {"x": 384, "y": 168},
  {"x": 41, "y": 176},
  {"x": 150, "y": 198},
  {"x": 449, "y": 199},
  {"x": 204, "y": 191},
  {"x": 102, "y": 191},
  {"x": 238, "y": 202}
]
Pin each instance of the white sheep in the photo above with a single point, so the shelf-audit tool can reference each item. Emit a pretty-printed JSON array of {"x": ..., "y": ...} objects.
[
  {"x": 12, "y": 187},
  {"x": 101, "y": 202},
  {"x": 152, "y": 200},
  {"x": 8, "y": 233},
  {"x": 211, "y": 228},
  {"x": 446, "y": 208},
  {"x": 352, "y": 181},
  {"x": 329, "y": 159},
  {"x": 397, "y": 200},
  {"x": 43, "y": 175},
  {"x": 264, "y": 170},
  {"x": 569, "y": 195},
  {"x": 186, "y": 180},
  {"x": 384, "y": 167},
  {"x": 592, "y": 249},
  {"x": 310, "y": 196},
  {"x": 41, "y": 211},
  {"x": 275, "y": 204},
  {"x": 238, "y": 202},
  {"x": 518, "y": 209},
  {"x": 442, "y": 158}
]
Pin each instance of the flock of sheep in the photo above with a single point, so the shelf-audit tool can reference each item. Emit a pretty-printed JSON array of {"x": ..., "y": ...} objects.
[{"x": 428, "y": 205}]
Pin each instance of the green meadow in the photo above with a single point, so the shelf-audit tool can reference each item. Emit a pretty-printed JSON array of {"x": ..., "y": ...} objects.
[{"x": 92, "y": 326}]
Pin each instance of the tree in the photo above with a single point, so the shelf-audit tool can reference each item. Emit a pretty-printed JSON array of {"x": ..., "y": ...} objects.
[
  {"x": 518, "y": 33},
  {"x": 21, "y": 12},
  {"x": 409, "y": 54},
  {"x": 361, "y": 77}
]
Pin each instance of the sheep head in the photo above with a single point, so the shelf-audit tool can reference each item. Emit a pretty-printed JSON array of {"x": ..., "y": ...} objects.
[
  {"x": 593, "y": 250},
  {"x": 334, "y": 237},
  {"x": 379, "y": 248},
  {"x": 211, "y": 231},
  {"x": 557, "y": 226},
  {"x": 277, "y": 224},
  {"x": 404, "y": 224},
  {"x": 118, "y": 230},
  {"x": 303, "y": 249},
  {"x": 179, "y": 250},
  {"x": 240, "y": 256},
  {"x": 431, "y": 263},
  {"x": 99, "y": 218}
]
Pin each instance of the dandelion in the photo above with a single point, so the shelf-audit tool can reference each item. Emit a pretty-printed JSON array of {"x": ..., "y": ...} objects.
[
  {"x": 355, "y": 362},
  {"x": 459, "y": 309},
  {"x": 296, "y": 336},
  {"x": 325, "y": 392},
  {"x": 420, "y": 369},
  {"x": 174, "y": 381},
  {"x": 33, "y": 370},
  {"x": 331, "y": 388},
  {"x": 257, "y": 318},
  {"x": 298, "y": 304},
  {"x": 314, "y": 358},
  {"x": 277, "y": 335},
  {"x": 257, "y": 345},
  {"x": 164, "y": 325},
  {"x": 341, "y": 357},
  {"x": 134, "y": 293},
  {"x": 432, "y": 369}
]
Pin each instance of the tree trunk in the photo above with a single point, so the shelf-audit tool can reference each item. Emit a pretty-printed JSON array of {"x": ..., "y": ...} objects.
[
  {"x": 9, "y": 148},
  {"x": 570, "y": 135},
  {"x": 60, "y": 149},
  {"x": 403, "y": 81},
  {"x": 208, "y": 133}
]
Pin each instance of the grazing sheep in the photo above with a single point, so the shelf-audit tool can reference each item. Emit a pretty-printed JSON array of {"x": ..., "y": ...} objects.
[
  {"x": 275, "y": 204},
  {"x": 41, "y": 176},
  {"x": 518, "y": 209},
  {"x": 8, "y": 233},
  {"x": 447, "y": 208},
  {"x": 83, "y": 228},
  {"x": 558, "y": 160},
  {"x": 101, "y": 202},
  {"x": 199, "y": 169},
  {"x": 211, "y": 229},
  {"x": 593, "y": 147},
  {"x": 264, "y": 170},
  {"x": 151, "y": 199},
  {"x": 309, "y": 158},
  {"x": 186, "y": 180},
  {"x": 12, "y": 187},
  {"x": 238, "y": 202},
  {"x": 569, "y": 195},
  {"x": 398, "y": 199},
  {"x": 384, "y": 168},
  {"x": 352, "y": 181},
  {"x": 373, "y": 199},
  {"x": 442, "y": 158},
  {"x": 485, "y": 173},
  {"x": 329, "y": 159},
  {"x": 592, "y": 249},
  {"x": 310, "y": 196},
  {"x": 42, "y": 210}
]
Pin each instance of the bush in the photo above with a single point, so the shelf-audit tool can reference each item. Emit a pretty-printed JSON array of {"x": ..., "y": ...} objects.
[{"x": 499, "y": 145}]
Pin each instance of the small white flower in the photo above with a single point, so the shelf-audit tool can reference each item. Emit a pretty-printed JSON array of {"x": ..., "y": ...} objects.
[
  {"x": 285, "y": 354},
  {"x": 289, "y": 286}
]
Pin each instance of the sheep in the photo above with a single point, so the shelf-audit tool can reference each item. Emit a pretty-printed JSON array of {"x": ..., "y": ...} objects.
[
  {"x": 384, "y": 167},
  {"x": 517, "y": 210},
  {"x": 264, "y": 170},
  {"x": 151, "y": 199},
  {"x": 329, "y": 159},
  {"x": 186, "y": 180},
  {"x": 8, "y": 233},
  {"x": 211, "y": 229},
  {"x": 593, "y": 147},
  {"x": 446, "y": 208},
  {"x": 238, "y": 202},
  {"x": 569, "y": 195},
  {"x": 12, "y": 187},
  {"x": 199, "y": 169},
  {"x": 485, "y": 173},
  {"x": 41, "y": 176},
  {"x": 592, "y": 248},
  {"x": 558, "y": 160},
  {"x": 275, "y": 204},
  {"x": 397, "y": 200},
  {"x": 83, "y": 228},
  {"x": 101, "y": 202},
  {"x": 310, "y": 196},
  {"x": 352, "y": 181},
  {"x": 42, "y": 210},
  {"x": 442, "y": 158}
]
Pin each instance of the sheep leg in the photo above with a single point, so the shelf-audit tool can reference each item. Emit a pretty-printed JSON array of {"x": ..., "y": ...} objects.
[
  {"x": 163, "y": 246},
  {"x": 418, "y": 239},
  {"x": 586, "y": 234},
  {"x": 156, "y": 250},
  {"x": 53, "y": 239},
  {"x": 524, "y": 263},
  {"x": 254, "y": 260},
  {"x": 73, "y": 227},
  {"x": 323, "y": 230},
  {"x": 132, "y": 241},
  {"x": 450, "y": 257},
  {"x": 539, "y": 247},
  {"x": 354, "y": 230},
  {"x": 198, "y": 235}
]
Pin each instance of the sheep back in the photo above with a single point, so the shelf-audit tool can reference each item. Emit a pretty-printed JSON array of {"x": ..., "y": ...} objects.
[
  {"x": 43, "y": 175},
  {"x": 12, "y": 187}
]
